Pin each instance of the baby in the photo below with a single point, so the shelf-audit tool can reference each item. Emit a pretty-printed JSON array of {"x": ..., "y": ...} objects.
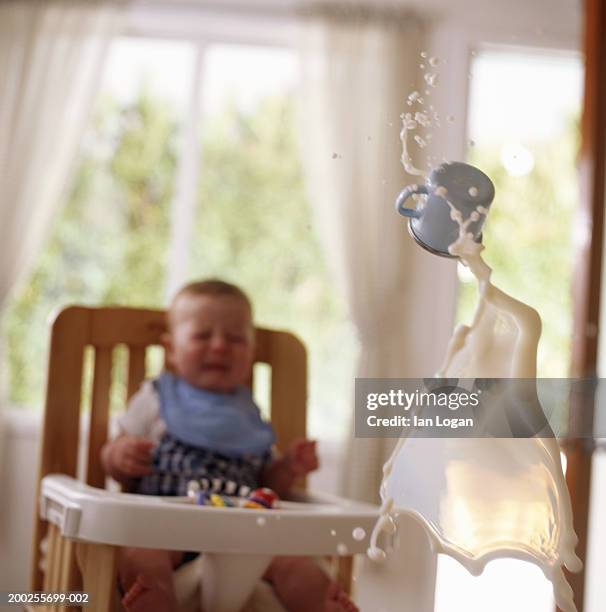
[{"x": 198, "y": 422}]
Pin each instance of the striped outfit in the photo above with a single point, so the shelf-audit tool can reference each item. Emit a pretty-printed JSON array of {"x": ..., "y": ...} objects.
[
  {"x": 176, "y": 463},
  {"x": 216, "y": 439}
]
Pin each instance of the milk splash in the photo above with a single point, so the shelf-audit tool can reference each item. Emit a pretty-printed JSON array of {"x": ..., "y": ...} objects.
[
  {"x": 482, "y": 499},
  {"x": 422, "y": 119}
]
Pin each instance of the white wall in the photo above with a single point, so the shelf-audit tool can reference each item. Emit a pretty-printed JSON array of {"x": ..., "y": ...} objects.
[{"x": 18, "y": 472}]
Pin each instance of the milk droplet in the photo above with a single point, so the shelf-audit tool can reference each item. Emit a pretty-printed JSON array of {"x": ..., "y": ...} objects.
[
  {"x": 431, "y": 78},
  {"x": 423, "y": 54},
  {"x": 422, "y": 143},
  {"x": 261, "y": 521},
  {"x": 434, "y": 61},
  {"x": 414, "y": 96},
  {"x": 423, "y": 119},
  {"x": 333, "y": 532},
  {"x": 342, "y": 549},
  {"x": 358, "y": 534},
  {"x": 473, "y": 192},
  {"x": 421, "y": 66},
  {"x": 376, "y": 554}
]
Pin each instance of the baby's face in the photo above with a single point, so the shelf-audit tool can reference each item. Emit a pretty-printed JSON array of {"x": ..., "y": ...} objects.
[{"x": 211, "y": 341}]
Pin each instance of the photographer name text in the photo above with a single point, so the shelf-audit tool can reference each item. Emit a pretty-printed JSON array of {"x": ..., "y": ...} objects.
[{"x": 417, "y": 421}]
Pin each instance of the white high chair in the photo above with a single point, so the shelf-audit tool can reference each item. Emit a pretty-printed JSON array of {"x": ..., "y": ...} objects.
[{"x": 86, "y": 524}]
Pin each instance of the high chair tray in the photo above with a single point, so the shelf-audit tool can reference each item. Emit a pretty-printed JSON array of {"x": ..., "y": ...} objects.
[{"x": 314, "y": 524}]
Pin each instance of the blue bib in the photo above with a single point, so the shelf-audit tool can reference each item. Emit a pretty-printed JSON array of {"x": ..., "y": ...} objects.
[{"x": 227, "y": 423}]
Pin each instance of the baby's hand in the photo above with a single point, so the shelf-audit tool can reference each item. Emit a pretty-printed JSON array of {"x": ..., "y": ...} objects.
[
  {"x": 128, "y": 457},
  {"x": 302, "y": 457}
]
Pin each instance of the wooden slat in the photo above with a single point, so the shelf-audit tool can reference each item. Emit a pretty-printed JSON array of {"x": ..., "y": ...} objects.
[
  {"x": 131, "y": 326},
  {"x": 99, "y": 416},
  {"x": 344, "y": 573},
  {"x": 60, "y": 432},
  {"x": 69, "y": 579},
  {"x": 52, "y": 556},
  {"x": 57, "y": 561},
  {"x": 62, "y": 572},
  {"x": 136, "y": 369},
  {"x": 588, "y": 271},
  {"x": 263, "y": 344},
  {"x": 288, "y": 408},
  {"x": 98, "y": 566}
]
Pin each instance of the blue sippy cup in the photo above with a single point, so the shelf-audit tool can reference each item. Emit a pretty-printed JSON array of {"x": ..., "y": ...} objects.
[{"x": 430, "y": 223}]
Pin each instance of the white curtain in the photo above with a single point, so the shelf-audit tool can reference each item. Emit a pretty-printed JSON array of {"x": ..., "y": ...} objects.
[
  {"x": 51, "y": 55},
  {"x": 358, "y": 68}
]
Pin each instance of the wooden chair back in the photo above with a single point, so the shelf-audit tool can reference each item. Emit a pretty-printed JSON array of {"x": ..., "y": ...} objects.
[{"x": 104, "y": 329}]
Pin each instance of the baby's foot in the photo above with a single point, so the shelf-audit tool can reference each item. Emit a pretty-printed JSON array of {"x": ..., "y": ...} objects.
[
  {"x": 136, "y": 592},
  {"x": 142, "y": 597},
  {"x": 337, "y": 600}
]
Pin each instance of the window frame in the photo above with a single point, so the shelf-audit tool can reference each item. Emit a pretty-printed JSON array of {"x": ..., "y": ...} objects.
[{"x": 201, "y": 27}]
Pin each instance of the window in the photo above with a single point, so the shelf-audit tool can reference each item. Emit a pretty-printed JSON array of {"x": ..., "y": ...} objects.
[
  {"x": 190, "y": 169},
  {"x": 523, "y": 132}
]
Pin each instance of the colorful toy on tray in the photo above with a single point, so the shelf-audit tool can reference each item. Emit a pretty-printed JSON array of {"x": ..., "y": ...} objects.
[
  {"x": 258, "y": 499},
  {"x": 263, "y": 498}
]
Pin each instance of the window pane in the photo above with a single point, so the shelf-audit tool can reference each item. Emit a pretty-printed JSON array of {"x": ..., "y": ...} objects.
[
  {"x": 253, "y": 224},
  {"x": 109, "y": 243},
  {"x": 505, "y": 585},
  {"x": 523, "y": 126}
]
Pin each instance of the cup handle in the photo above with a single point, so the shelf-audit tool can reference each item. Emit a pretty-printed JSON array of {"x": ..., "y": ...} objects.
[{"x": 404, "y": 195}]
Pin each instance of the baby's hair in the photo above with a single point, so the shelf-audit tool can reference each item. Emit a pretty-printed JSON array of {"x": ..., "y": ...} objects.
[{"x": 213, "y": 287}]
